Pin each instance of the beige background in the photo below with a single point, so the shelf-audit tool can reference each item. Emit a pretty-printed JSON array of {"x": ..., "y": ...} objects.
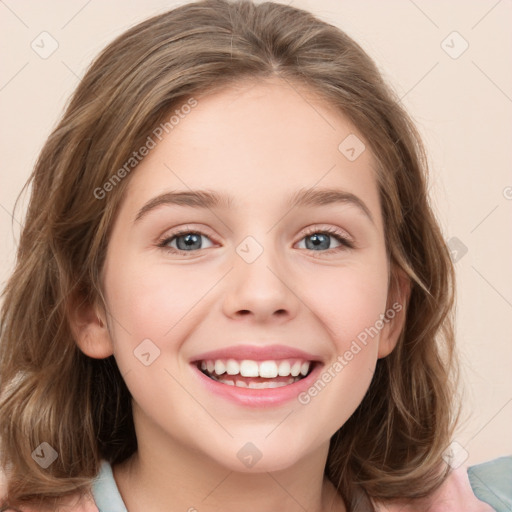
[{"x": 462, "y": 106}]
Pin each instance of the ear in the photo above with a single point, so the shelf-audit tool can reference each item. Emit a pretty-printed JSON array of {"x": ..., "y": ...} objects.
[
  {"x": 398, "y": 298},
  {"x": 88, "y": 324}
]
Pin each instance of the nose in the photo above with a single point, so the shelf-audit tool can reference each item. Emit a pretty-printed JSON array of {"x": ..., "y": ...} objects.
[{"x": 262, "y": 289}]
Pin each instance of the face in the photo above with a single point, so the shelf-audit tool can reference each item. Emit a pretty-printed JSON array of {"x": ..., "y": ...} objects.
[{"x": 249, "y": 273}]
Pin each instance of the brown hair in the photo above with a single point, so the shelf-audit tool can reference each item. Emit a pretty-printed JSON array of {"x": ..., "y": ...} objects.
[{"x": 51, "y": 392}]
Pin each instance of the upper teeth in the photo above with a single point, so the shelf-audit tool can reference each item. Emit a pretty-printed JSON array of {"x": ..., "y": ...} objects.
[{"x": 249, "y": 368}]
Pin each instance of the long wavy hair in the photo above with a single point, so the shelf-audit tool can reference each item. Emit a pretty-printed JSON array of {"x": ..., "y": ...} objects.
[{"x": 51, "y": 392}]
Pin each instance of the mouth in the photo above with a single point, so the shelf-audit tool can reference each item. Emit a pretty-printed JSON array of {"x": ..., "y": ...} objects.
[{"x": 253, "y": 374}]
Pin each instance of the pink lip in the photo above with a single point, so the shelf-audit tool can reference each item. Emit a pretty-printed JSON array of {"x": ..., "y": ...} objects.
[
  {"x": 256, "y": 353},
  {"x": 259, "y": 397}
]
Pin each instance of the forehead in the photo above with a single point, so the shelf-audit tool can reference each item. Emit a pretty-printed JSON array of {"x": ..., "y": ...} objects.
[{"x": 256, "y": 138}]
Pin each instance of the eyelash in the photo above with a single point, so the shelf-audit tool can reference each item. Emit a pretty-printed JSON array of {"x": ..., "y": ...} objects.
[{"x": 340, "y": 236}]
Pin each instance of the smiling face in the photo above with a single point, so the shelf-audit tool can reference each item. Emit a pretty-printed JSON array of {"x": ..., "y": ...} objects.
[{"x": 256, "y": 268}]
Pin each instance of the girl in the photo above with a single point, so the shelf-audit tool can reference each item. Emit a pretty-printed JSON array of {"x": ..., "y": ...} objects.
[{"x": 230, "y": 290}]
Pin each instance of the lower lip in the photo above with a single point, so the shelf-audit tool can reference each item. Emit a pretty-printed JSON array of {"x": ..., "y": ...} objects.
[{"x": 258, "y": 397}]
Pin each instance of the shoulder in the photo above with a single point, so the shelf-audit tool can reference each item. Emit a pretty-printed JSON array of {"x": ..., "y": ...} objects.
[
  {"x": 79, "y": 502},
  {"x": 492, "y": 482},
  {"x": 454, "y": 495},
  {"x": 74, "y": 503}
]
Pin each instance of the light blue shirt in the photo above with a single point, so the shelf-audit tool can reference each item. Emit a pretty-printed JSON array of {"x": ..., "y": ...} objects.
[
  {"x": 491, "y": 483},
  {"x": 105, "y": 492}
]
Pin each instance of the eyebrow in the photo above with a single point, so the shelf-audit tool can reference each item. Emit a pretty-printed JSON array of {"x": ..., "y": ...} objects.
[{"x": 207, "y": 199}]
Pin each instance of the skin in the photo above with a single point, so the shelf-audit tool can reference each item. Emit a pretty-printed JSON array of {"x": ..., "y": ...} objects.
[{"x": 260, "y": 143}]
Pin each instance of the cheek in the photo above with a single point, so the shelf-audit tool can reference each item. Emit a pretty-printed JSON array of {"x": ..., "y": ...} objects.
[
  {"x": 349, "y": 301},
  {"x": 150, "y": 305},
  {"x": 149, "y": 300}
]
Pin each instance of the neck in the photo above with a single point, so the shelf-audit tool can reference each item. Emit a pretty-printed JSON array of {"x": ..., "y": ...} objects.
[{"x": 165, "y": 475}]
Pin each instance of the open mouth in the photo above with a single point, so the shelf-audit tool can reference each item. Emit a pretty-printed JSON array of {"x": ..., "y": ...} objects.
[{"x": 256, "y": 374}]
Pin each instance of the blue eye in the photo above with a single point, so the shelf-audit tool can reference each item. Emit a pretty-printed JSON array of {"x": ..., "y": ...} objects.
[
  {"x": 316, "y": 240},
  {"x": 320, "y": 240},
  {"x": 186, "y": 241}
]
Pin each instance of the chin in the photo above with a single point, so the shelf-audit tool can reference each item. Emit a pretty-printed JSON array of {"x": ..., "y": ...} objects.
[{"x": 253, "y": 457}]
